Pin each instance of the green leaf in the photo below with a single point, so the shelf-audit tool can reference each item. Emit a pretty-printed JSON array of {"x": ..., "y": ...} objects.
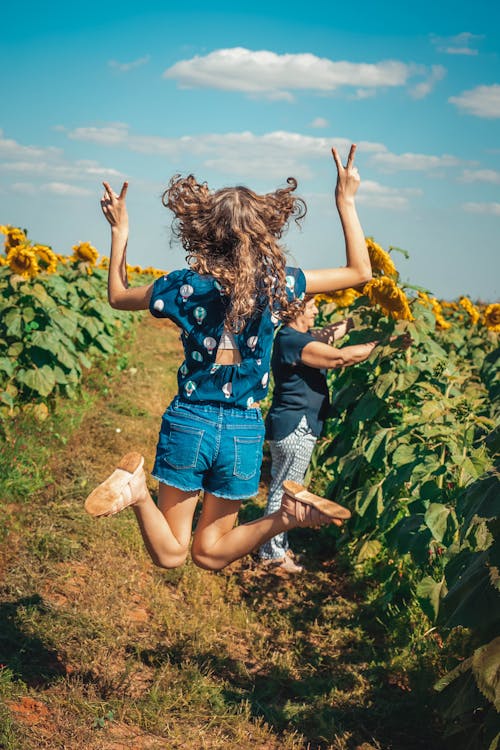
[
  {"x": 41, "y": 380},
  {"x": 367, "y": 408},
  {"x": 66, "y": 320},
  {"x": 375, "y": 452},
  {"x": 105, "y": 343},
  {"x": 436, "y": 519},
  {"x": 6, "y": 366},
  {"x": 14, "y": 323},
  {"x": 486, "y": 670},
  {"x": 7, "y": 398},
  {"x": 472, "y": 600},
  {"x": 384, "y": 385},
  {"x": 368, "y": 549},
  {"x": 404, "y": 454},
  {"x": 406, "y": 379},
  {"x": 429, "y": 594},
  {"x": 15, "y": 349}
]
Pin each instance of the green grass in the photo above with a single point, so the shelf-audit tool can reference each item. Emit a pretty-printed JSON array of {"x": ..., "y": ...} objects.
[{"x": 103, "y": 651}]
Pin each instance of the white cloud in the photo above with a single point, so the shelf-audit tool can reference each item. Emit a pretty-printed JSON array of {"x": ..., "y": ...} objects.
[
  {"x": 10, "y": 149},
  {"x": 79, "y": 170},
  {"x": 319, "y": 122},
  {"x": 480, "y": 175},
  {"x": 125, "y": 67},
  {"x": 269, "y": 74},
  {"x": 61, "y": 188},
  {"x": 425, "y": 87},
  {"x": 272, "y": 154},
  {"x": 456, "y": 45},
  {"x": 375, "y": 195},
  {"x": 483, "y": 101},
  {"x": 388, "y": 162},
  {"x": 482, "y": 208}
]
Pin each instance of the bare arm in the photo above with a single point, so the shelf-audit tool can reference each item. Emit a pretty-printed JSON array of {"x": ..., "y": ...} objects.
[
  {"x": 321, "y": 356},
  {"x": 120, "y": 296},
  {"x": 357, "y": 270}
]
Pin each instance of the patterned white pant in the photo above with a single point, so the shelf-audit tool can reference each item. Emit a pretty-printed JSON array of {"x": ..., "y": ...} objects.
[{"x": 290, "y": 459}]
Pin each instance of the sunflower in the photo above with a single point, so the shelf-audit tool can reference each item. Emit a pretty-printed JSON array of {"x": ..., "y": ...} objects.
[
  {"x": 22, "y": 260},
  {"x": 341, "y": 298},
  {"x": 438, "y": 314},
  {"x": 84, "y": 253},
  {"x": 470, "y": 308},
  {"x": 46, "y": 258},
  {"x": 384, "y": 291},
  {"x": 436, "y": 308},
  {"x": 492, "y": 317},
  {"x": 379, "y": 259},
  {"x": 103, "y": 263},
  {"x": 14, "y": 237}
]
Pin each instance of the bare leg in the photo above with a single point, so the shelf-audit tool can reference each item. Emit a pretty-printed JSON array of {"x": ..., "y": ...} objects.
[
  {"x": 217, "y": 542},
  {"x": 166, "y": 529}
]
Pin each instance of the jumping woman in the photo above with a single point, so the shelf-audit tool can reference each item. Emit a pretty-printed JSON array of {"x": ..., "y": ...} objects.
[{"x": 227, "y": 303}]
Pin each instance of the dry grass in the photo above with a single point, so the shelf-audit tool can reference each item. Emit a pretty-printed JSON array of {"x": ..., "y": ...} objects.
[{"x": 101, "y": 651}]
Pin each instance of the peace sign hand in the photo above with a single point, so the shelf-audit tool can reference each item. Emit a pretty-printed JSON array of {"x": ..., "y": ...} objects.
[
  {"x": 114, "y": 207},
  {"x": 348, "y": 179}
]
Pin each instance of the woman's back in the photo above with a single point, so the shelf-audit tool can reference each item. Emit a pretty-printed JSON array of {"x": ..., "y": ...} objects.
[{"x": 196, "y": 304}]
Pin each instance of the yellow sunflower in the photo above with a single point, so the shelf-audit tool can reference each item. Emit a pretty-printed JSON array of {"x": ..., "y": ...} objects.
[
  {"x": 492, "y": 317},
  {"x": 436, "y": 308},
  {"x": 103, "y": 263},
  {"x": 384, "y": 291},
  {"x": 471, "y": 309},
  {"x": 14, "y": 237},
  {"x": 22, "y": 260},
  {"x": 438, "y": 314},
  {"x": 46, "y": 258},
  {"x": 84, "y": 253},
  {"x": 341, "y": 298},
  {"x": 379, "y": 258}
]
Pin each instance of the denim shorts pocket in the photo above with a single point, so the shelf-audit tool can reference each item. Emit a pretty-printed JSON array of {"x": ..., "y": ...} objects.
[
  {"x": 183, "y": 446},
  {"x": 247, "y": 456}
]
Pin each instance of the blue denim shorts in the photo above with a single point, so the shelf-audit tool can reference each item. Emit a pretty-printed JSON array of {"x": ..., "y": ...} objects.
[{"x": 212, "y": 447}]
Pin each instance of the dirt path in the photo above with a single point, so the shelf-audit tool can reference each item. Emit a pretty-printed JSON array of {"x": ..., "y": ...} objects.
[{"x": 105, "y": 652}]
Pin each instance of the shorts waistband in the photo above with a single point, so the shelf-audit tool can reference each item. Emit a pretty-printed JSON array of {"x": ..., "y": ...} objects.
[{"x": 218, "y": 407}]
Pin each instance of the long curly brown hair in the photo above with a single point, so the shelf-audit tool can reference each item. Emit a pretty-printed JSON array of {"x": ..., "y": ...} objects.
[{"x": 232, "y": 234}]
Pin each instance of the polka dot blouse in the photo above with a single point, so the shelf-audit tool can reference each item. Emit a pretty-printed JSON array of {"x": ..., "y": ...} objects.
[{"x": 196, "y": 305}]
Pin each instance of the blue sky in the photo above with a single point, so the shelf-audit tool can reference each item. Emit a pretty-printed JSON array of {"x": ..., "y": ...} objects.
[{"x": 250, "y": 93}]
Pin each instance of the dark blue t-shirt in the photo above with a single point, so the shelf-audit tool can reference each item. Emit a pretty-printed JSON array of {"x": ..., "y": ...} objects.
[
  {"x": 299, "y": 390},
  {"x": 195, "y": 303}
]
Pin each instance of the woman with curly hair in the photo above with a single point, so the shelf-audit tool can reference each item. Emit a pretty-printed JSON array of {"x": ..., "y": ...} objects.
[{"x": 227, "y": 303}]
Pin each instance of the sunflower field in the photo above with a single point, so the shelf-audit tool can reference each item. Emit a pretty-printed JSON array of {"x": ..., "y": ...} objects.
[
  {"x": 54, "y": 320},
  {"x": 411, "y": 446}
]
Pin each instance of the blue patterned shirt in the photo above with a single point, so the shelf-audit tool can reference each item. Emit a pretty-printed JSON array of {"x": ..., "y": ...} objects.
[{"x": 195, "y": 304}]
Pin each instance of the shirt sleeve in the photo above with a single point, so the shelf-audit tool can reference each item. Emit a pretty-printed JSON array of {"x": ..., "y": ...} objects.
[
  {"x": 291, "y": 344},
  {"x": 295, "y": 283},
  {"x": 166, "y": 298}
]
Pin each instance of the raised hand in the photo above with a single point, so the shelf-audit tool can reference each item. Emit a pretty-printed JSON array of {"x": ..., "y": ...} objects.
[
  {"x": 348, "y": 179},
  {"x": 114, "y": 207}
]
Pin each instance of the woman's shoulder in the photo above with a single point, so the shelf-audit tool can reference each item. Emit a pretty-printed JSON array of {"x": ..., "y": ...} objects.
[{"x": 185, "y": 277}]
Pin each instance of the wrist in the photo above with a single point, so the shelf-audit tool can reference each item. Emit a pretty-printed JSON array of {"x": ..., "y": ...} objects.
[
  {"x": 344, "y": 203},
  {"x": 119, "y": 232}
]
